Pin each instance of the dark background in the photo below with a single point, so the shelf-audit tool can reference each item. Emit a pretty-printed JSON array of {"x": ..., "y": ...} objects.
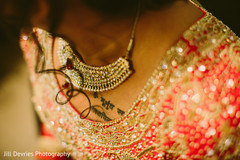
[{"x": 10, "y": 53}]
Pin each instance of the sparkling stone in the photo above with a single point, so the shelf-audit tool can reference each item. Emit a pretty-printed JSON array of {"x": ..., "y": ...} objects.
[
  {"x": 161, "y": 87},
  {"x": 154, "y": 81},
  {"x": 202, "y": 68},
  {"x": 25, "y": 37},
  {"x": 59, "y": 129},
  {"x": 149, "y": 134},
  {"x": 164, "y": 66},
  {"x": 139, "y": 146},
  {"x": 61, "y": 121},
  {"x": 75, "y": 118},
  {"x": 123, "y": 140},
  {"x": 132, "y": 114},
  {"x": 190, "y": 69},
  {"x": 171, "y": 80},
  {"x": 125, "y": 123},
  {"x": 231, "y": 38},
  {"x": 196, "y": 98},
  {"x": 174, "y": 63},
  {"x": 153, "y": 107},
  {"x": 134, "y": 136},
  {"x": 144, "y": 98},
  {"x": 58, "y": 108},
  {"x": 85, "y": 144},
  {"x": 173, "y": 133},
  {"x": 230, "y": 109},
  {"x": 210, "y": 54},
  {"x": 52, "y": 123},
  {"x": 210, "y": 152},
  {"x": 160, "y": 154},
  {"x": 141, "y": 125},
  {"x": 230, "y": 83},
  {"x": 212, "y": 131},
  {"x": 213, "y": 40},
  {"x": 161, "y": 115},
  {"x": 94, "y": 140},
  {"x": 227, "y": 142},
  {"x": 179, "y": 49},
  {"x": 213, "y": 88},
  {"x": 184, "y": 97},
  {"x": 161, "y": 92},
  {"x": 111, "y": 143},
  {"x": 114, "y": 128}
]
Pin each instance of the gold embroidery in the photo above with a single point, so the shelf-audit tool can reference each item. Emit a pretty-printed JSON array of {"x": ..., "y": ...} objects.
[{"x": 151, "y": 124}]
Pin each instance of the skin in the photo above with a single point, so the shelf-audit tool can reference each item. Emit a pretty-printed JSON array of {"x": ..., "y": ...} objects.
[{"x": 101, "y": 39}]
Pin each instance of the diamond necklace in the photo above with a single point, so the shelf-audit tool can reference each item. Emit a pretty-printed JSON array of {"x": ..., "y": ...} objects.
[{"x": 92, "y": 78}]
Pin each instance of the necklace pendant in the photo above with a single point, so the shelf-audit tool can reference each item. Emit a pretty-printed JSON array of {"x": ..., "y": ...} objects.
[
  {"x": 91, "y": 78},
  {"x": 99, "y": 79}
]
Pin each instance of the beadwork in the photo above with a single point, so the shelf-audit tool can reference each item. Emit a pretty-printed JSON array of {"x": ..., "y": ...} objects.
[{"x": 91, "y": 78}]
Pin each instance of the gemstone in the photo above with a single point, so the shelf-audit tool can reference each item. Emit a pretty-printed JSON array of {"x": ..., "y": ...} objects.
[
  {"x": 202, "y": 68},
  {"x": 134, "y": 136},
  {"x": 189, "y": 69},
  {"x": 69, "y": 64},
  {"x": 196, "y": 98},
  {"x": 227, "y": 142},
  {"x": 65, "y": 85},
  {"x": 210, "y": 152},
  {"x": 61, "y": 120},
  {"x": 179, "y": 49},
  {"x": 213, "y": 40},
  {"x": 149, "y": 134},
  {"x": 52, "y": 123},
  {"x": 230, "y": 83},
  {"x": 153, "y": 107},
  {"x": 144, "y": 98},
  {"x": 139, "y": 146},
  {"x": 164, "y": 66},
  {"x": 141, "y": 125},
  {"x": 212, "y": 131},
  {"x": 25, "y": 37},
  {"x": 59, "y": 129},
  {"x": 161, "y": 115}
]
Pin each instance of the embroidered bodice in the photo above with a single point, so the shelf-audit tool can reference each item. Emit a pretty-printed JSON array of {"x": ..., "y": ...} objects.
[{"x": 189, "y": 108}]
